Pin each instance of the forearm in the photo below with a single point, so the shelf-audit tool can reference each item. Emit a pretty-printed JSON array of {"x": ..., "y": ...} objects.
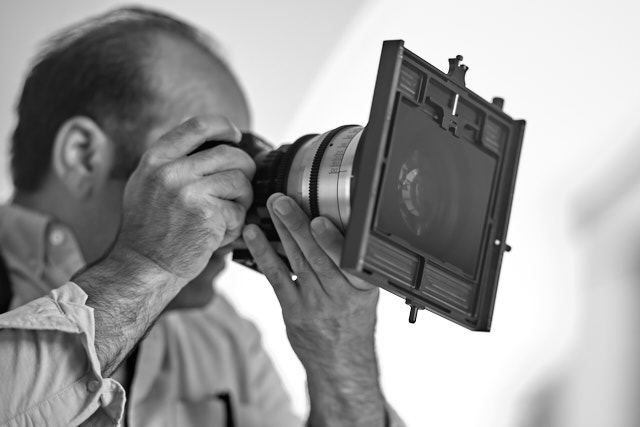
[
  {"x": 345, "y": 390},
  {"x": 127, "y": 293}
]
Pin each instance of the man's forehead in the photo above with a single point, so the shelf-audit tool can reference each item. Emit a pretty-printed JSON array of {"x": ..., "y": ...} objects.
[{"x": 189, "y": 82}]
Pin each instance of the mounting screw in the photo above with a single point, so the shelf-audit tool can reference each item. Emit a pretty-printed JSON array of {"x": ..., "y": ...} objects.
[{"x": 413, "y": 314}]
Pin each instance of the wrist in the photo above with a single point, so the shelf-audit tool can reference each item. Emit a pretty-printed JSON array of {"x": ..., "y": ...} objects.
[
  {"x": 123, "y": 267},
  {"x": 340, "y": 405},
  {"x": 141, "y": 269},
  {"x": 344, "y": 389}
]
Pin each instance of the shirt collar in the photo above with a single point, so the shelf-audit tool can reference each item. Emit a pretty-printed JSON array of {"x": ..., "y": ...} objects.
[
  {"x": 33, "y": 237},
  {"x": 23, "y": 234}
]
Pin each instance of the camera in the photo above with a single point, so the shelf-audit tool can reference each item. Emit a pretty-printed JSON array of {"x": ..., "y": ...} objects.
[{"x": 423, "y": 192}]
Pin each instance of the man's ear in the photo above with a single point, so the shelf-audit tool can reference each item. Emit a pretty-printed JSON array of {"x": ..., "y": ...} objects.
[{"x": 82, "y": 156}]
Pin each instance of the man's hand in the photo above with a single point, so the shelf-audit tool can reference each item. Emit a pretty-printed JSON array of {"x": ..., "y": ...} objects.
[
  {"x": 330, "y": 316},
  {"x": 177, "y": 210}
]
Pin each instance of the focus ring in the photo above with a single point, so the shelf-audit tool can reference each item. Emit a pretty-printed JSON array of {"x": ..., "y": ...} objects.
[
  {"x": 284, "y": 166},
  {"x": 314, "y": 208}
]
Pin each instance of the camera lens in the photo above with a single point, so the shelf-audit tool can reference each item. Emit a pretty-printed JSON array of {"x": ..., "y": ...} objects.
[
  {"x": 316, "y": 170},
  {"x": 321, "y": 175}
]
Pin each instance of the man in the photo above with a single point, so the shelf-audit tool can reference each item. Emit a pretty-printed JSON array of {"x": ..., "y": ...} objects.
[
  {"x": 56, "y": 352},
  {"x": 100, "y": 94}
]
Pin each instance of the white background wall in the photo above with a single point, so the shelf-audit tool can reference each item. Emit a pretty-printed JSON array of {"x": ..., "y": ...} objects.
[{"x": 567, "y": 67}]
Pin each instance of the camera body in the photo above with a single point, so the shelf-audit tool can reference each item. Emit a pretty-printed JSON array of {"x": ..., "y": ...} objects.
[{"x": 423, "y": 192}]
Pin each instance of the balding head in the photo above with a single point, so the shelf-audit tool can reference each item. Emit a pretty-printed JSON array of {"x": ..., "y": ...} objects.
[{"x": 108, "y": 68}]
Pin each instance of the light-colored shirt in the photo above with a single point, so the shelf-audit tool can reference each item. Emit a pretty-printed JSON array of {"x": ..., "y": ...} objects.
[
  {"x": 196, "y": 367},
  {"x": 49, "y": 369},
  {"x": 200, "y": 367}
]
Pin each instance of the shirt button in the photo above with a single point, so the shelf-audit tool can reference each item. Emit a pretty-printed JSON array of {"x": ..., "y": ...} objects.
[
  {"x": 93, "y": 386},
  {"x": 56, "y": 237}
]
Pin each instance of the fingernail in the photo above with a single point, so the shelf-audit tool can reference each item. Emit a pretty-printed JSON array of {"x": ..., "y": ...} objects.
[
  {"x": 282, "y": 206},
  {"x": 249, "y": 233},
  {"x": 318, "y": 226}
]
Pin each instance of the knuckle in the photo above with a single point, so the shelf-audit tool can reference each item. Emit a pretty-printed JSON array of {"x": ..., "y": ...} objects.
[
  {"x": 296, "y": 225},
  {"x": 196, "y": 125},
  {"x": 241, "y": 213},
  {"x": 259, "y": 251},
  {"x": 238, "y": 181},
  {"x": 234, "y": 214},
  {"x": 299, "y": 263},
  {"x": 166, "y": 176},
  {"x": 271, "y": 271},
  {"x": 221, "y": 150},
  {"x": 320, "y": 261},
  {"x": 238, "y": 178},
  {"x": 148, "y": 159},
  {"x": 234, "y": 233},
  {"x": 229, "y": 181},
  {"x": 216, "y": 231},
  {"x": 186, "y": 196}
]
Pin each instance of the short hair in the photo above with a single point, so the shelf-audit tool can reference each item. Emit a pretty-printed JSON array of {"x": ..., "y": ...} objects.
[{"x": 96, "y": 68}]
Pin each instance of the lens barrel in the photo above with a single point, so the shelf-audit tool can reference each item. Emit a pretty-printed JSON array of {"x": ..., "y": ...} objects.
[
  {"x": 318, "y": 171},
  {"x": 322, "y": 174}
]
